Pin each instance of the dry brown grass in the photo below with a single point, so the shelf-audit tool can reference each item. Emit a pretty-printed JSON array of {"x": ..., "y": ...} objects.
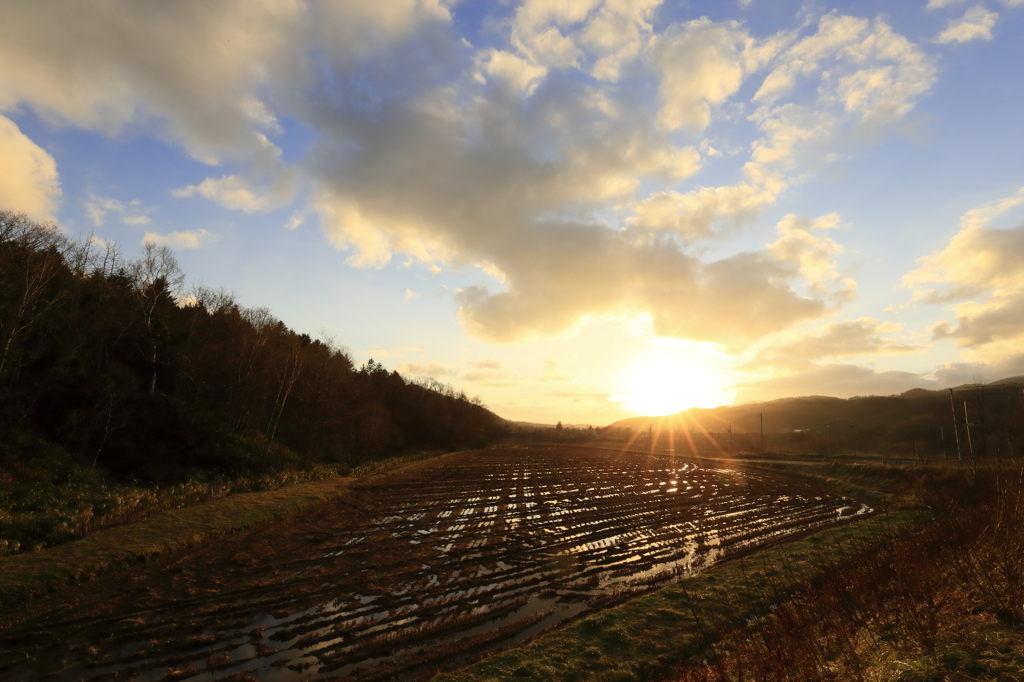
[{"x": 944, "y": 604}]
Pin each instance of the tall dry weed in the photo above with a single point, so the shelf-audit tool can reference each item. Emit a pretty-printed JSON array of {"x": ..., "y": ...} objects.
[{"x": 907, "y": 596}]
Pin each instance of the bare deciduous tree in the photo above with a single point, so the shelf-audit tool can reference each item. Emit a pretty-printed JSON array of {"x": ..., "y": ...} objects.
[
  {"x": 157, "y": 279},
  {"x": 32, "y": 256}
]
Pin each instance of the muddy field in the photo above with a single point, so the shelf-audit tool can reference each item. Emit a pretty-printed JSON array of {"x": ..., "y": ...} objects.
[{"x": 417, "y": 570}]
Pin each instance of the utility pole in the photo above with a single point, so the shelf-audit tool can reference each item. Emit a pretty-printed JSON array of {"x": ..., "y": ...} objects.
[
  {"x": 952, "y": 407},
  {"x": 967, "y": 422},
  {"x": 761, "y": 417}
]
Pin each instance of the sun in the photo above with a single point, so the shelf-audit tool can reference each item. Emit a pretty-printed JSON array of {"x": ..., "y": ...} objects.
[{"x": 669, "y": 379}]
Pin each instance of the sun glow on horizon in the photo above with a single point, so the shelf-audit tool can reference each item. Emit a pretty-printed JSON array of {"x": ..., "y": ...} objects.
[{"x": 669, "y": 379}]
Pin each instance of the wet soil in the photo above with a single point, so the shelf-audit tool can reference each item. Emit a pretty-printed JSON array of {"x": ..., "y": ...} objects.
[{"x": 412, "y": 573}]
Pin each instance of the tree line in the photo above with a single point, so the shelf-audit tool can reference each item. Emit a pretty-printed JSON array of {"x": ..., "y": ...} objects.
[{"x": 113, "y": 360}]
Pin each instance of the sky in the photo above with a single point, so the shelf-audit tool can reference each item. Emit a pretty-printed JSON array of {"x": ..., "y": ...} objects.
[{"x": 579, "y": 210}]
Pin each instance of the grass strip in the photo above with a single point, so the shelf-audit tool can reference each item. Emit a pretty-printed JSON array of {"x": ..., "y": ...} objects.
[
  {"x": 29, "y": 575},
  {"x": 887, "y": 486},
  {"x": 879, "y": 485},
  {"x": 647, "y": 637}
]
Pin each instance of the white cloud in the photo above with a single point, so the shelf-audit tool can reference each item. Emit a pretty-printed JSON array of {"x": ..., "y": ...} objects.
[
  {"x": 555, "y": 50},
  {"x": 104, "y": 66},
  {"x": 694, "y": 214},
  {"x": 229, "y": 191},
  {"x": 180, "y": 240},
  {"x": 801, "y": 243},
  {"x": 616, "y": 34},
  {"x": 702, "y": 64},
  {"x": 789, "y": 128},
  {"x": 834, "y": 33},
  {"x": 350, "y": 31},
  {"x": 842, "y": 380},
  {"x": 837, "y": 380},
  {"x": 29, "y": 181},
  {"x": 796, "y": 350},
  {"x": 876, "y": 75},
  {"x": 98, "y": 207},
  {"x": 237, "y": 193},
  {"x": 729, "y": 301},
  {"x": 564, "y": 33},
  {"x": 976, "y": 23},
  {"x": 420, "y": 188},
  {"x": 896, "y": 74},
  {"x": 107, "y": 65},
  {"x": 347, "y": 227},
  {"x": 521, "y": 74},
  {"x": 538, "y": 30},
  {"x": 570, "y": 196},
  {"x": 207, "y": 76},
  {"x": 295, "y": 220},
  {"x": 100, "y": 243},
  {"x": 410, "y": 294},
  {"x": 938, "y": 4},
  {"x": 977, "y": 260},
  {"x": 869, "y": 76},
  {"x": 535, "y": 15},
  {"x": 601, "y": 36},
  {"x": 981, "y": 268}
]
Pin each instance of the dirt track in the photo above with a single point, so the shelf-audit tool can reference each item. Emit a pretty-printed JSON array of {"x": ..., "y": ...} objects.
[{"x": 428, "y": 566}]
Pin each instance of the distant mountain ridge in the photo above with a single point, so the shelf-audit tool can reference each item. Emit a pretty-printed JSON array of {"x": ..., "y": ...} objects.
[{"x": 916, "y": 420}]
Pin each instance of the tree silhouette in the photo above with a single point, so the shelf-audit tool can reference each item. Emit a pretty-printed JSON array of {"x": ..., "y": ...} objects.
[
  {"x": 157, "y": 280},
  {"x": 109, "y": 360}
]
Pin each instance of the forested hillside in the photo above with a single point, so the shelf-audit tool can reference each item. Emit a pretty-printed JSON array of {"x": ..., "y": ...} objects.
[{"x": 114, "y": 361}]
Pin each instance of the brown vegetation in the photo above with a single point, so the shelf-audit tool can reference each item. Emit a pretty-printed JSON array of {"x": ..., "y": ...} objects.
[{"x": 944, "y": 604}]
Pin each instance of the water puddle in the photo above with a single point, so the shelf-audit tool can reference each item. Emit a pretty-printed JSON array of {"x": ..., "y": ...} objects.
[{"x": 476, "y": 556}]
